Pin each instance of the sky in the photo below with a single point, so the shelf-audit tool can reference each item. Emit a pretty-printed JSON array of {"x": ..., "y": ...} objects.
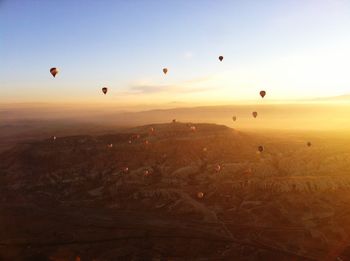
[{"x": 293, "y": 49}]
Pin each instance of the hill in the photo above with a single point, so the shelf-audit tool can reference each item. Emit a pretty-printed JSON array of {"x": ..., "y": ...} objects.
[{"x": 175, "y": 191}]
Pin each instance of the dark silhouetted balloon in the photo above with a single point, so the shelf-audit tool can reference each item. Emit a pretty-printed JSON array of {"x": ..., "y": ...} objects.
[
  {"x": 104, "y": 90},
  {"x": 174, "y": 120},
  {"x": 262, "y": 94},
  {"x": 309, "y": 144},
  {"x": 54, "y": 71},
  {"x": 165, "y": 70},
  {"x": 221, "y": 58},
  {"x": 260, "y": 148},
  {"x": 234, "y": 118},
  {"x": 255, "y": 114}
]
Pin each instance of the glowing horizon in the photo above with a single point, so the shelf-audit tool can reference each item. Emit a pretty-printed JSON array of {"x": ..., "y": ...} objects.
[{"x": 292, "y": 50}]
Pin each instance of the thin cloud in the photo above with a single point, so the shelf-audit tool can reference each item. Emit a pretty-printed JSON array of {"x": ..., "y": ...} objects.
[
  {"x": 184, "y": 87},
  {"x": 151, "y": 89}
]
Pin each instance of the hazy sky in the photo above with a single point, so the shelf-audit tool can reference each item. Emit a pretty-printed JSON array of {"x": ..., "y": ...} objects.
[{"x": 293, "y": 49}]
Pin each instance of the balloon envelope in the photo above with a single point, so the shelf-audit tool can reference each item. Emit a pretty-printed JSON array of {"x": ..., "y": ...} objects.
[
  {"x": 262, "y": 94},
  {"x": 104, "y": 90},
  {"x": 234, "y": 118},
  {"x": 255, "y": 114},
  {"x": 200, "y": 194},
  {"x": 221, "y": 58},
  {"x": 165, "y": 70},
  {"x": 54, "y": 71},
  {"x": 260, "y": 148}
]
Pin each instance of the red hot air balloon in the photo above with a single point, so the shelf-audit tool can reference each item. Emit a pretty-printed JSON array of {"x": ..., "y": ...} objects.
[
  {"x": 221, "y": 58},
  {"x": 104, "y": 90},
  {"x": 217, "y": 168},
  {"x": 255, "y": 114},
  {"x": 54, "y": 71},
  {"x": 262, "y": 94},
  {"x": 200, "y": 195},
  {"x": 247, "y": 172},
  {"x": 165, "y": 70}
]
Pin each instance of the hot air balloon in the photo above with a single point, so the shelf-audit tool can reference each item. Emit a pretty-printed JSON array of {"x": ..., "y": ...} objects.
[
  {"x": 221, "y": 58},
  {"x": 255, "y": 114},
  {"x": 129, "y": 141},
  {"x": 260, "y": 148},
  {"x": 165, "y": 70},
  {"x": 146, "y": 173},
  {"x": 234, "y": 118},
  {"x": 205, "y": 149},
  {"x": 125, "y": 170},
  {"x": 262, "y": 94},
  {"x": 193, "y": 128},
  {"x": 309, "y": 144},
  {"x": 110, "y": 145},
  {"x": 247, "y": 172},
  {"x": 151, "y": 129},
  {"x": 217, "y": 168},
  {"x": 200, "y": 195},
  {"x": 146, "y": 142},
  {"x": 104, "y": 90},
  {"x": 54, "y": 71},
  {"x": 54, "y": 138},
  {"x": 174, "y": 120}
]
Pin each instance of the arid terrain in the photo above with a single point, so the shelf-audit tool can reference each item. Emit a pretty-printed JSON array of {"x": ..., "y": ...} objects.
[{"x": 174, "y": 192}]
